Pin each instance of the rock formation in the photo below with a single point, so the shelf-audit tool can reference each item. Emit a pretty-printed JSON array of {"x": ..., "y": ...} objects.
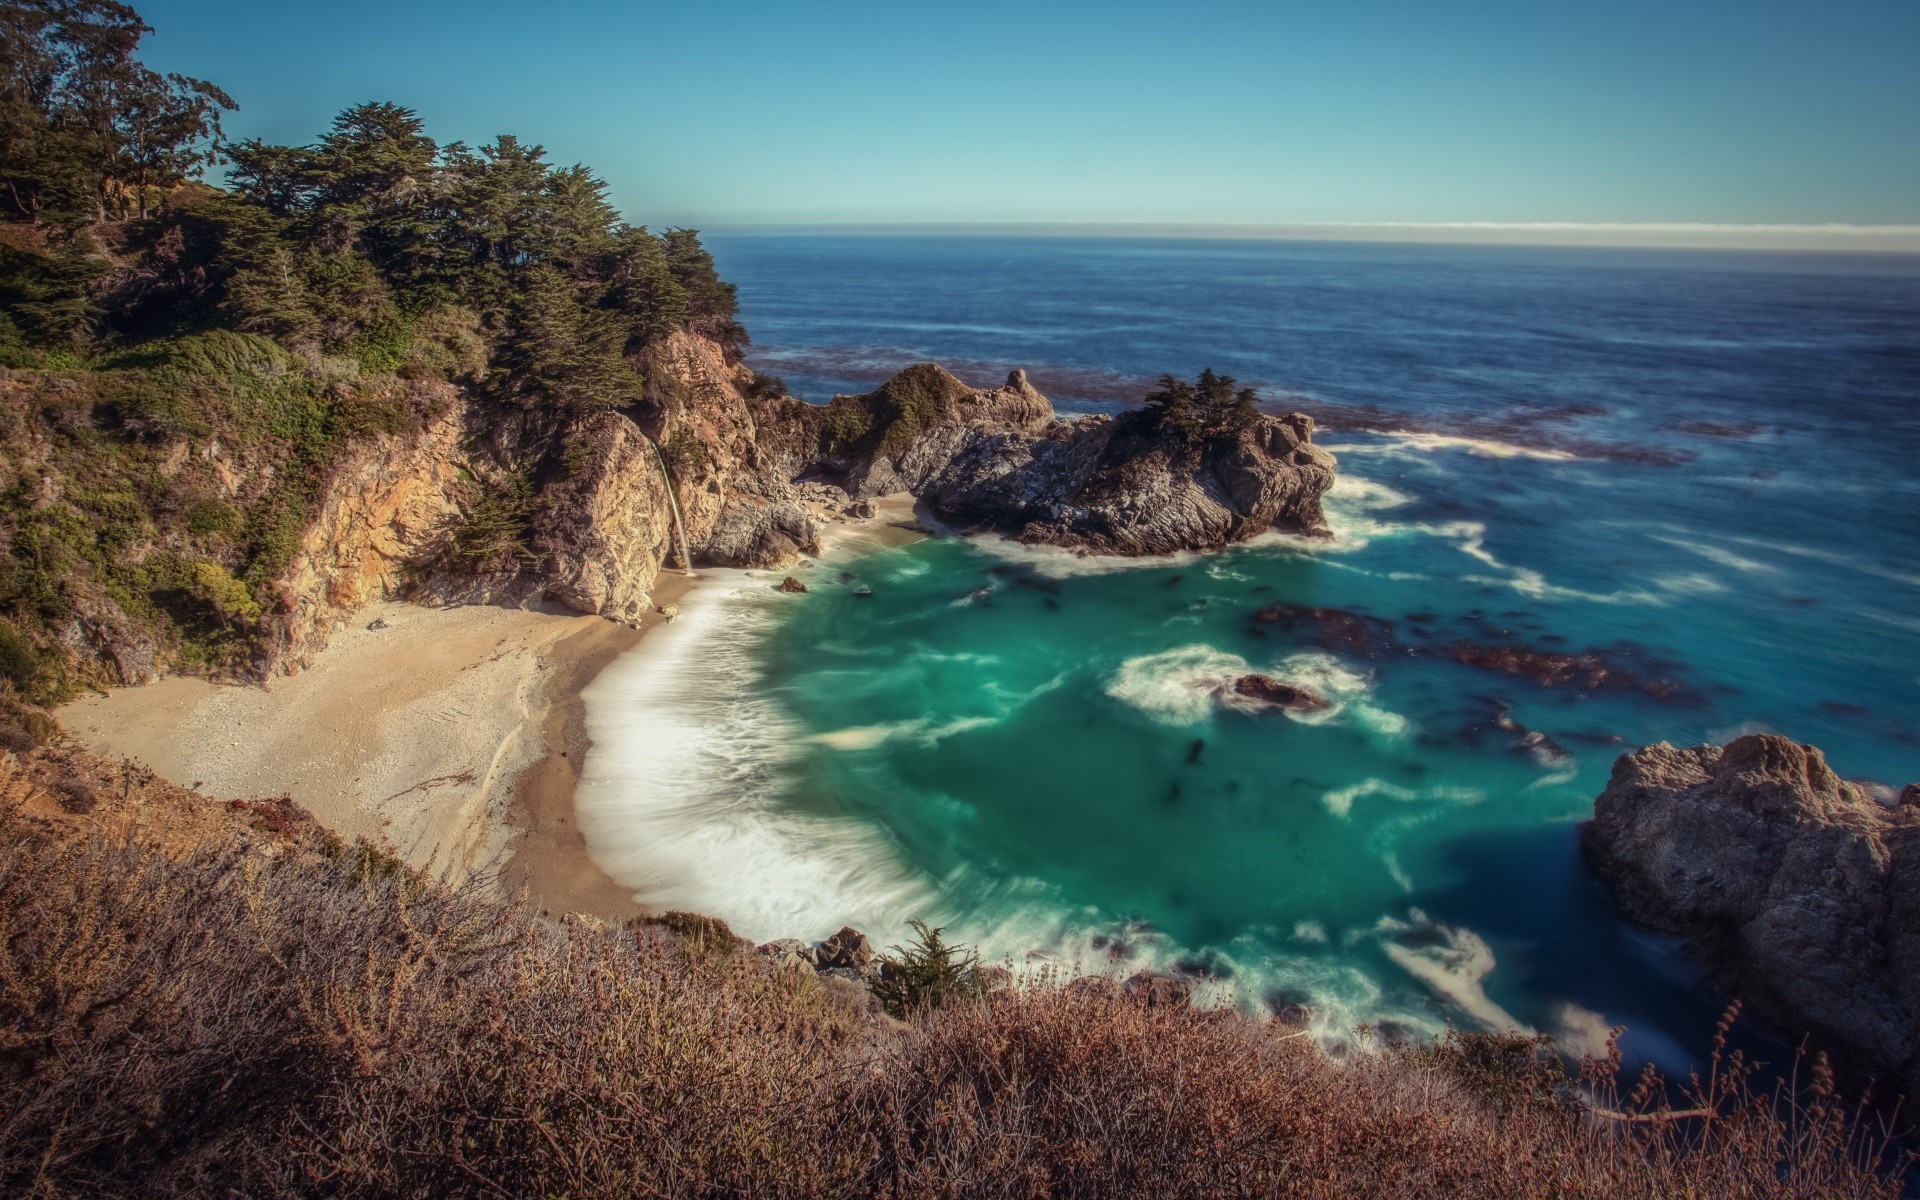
[
  {"x": 1267, "y": 690},
  {"x": 1800, "y": 892},
  {"x": 1000, "y": 459}
]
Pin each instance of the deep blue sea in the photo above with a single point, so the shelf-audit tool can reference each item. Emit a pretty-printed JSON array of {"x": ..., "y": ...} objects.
[{"x": 1701, "y": 467}]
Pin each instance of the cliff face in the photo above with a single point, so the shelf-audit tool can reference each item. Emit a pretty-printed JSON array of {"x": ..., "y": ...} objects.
[
  {"x": 1000, "y": 459},
  {"x": 734, "y": 483},
  {"x": 1801, "y": 892},
  {"x": 432, "y": 493},
  {"x": 383, "y": 507}
]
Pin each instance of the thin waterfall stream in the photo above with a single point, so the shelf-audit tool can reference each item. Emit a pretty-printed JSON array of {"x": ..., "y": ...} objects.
[{"x": 673, "y": 500}]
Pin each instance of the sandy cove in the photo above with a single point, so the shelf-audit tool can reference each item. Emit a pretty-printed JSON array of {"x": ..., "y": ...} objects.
[{"x": 453, "y": 736}]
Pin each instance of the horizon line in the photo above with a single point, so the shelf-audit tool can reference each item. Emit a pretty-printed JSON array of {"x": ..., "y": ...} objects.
[{"x": 1698, "y": 235}]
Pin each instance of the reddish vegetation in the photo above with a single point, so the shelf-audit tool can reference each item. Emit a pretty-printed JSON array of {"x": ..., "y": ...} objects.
[
  {"x": 195, "y": 1003},
  {"x": 1335, "y": 629},
  {"x": 1586, "y": 671}
]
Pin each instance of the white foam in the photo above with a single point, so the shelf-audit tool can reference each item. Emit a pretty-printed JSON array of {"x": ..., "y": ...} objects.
[
  {"x": 1718, "y": 554},
  {"x": 1056, "y": 563},
  {"x": 1339, "y": 801},
  {"x": 924, "y": 730},
  {"x": 683, "y": 798},
  {"x": 1404, "y": 444},
  {"x": 1178, "y": 686},
  {"x": 1831, "y": 557},
  {"x": 1579, "y": 1031},
  {"x": 1184, "y": 686},
  {"x": 1454, "y": 963}
]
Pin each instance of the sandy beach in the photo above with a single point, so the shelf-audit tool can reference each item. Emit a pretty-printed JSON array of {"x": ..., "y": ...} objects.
[
  {"x": 449, "y": 735},
  {"x": 455, "y": 737}
]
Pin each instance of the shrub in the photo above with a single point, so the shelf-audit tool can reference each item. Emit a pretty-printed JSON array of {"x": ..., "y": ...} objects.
[
  {"x": 216, "y": 1021},
  {"x": 926, "y": 974}
]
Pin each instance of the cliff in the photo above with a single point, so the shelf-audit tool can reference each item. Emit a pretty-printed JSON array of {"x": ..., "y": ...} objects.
[
  {"x": 1799, "y": 891},
  {"x": 1001, "y": 460}
]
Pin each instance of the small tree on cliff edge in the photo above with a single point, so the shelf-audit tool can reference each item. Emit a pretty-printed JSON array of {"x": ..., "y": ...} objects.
[
  {"x": 926, "y": 974},
  {"x": 1210, "y": 403}
]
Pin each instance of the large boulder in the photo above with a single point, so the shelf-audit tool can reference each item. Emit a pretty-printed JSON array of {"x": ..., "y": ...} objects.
[
  {"x": 1799, "y": 891},
  {"x": 1000, "y": 459}
]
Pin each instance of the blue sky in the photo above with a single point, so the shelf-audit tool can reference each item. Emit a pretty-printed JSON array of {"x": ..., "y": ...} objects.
[{"x": 1767, "y": 111}]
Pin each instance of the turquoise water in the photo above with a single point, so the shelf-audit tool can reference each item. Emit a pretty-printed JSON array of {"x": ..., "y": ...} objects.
[{"x": 1045, "y": 752}]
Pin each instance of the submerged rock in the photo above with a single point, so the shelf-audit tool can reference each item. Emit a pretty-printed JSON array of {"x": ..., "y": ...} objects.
[
  {"x": 1622, "y": 668},
  {"x": 1343, "y": 630},
  {"x": 1800, "y": 892},
  {"x": 1268, "y": 690}
]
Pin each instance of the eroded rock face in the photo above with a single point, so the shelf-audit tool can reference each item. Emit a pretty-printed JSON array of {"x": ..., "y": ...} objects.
[
  {"x": 735, "y": 479},
  {"x": 1801, "y": 893},
  {"x": 1000, "y": 459},
  {"x": 385, "y": 505},
  {"x": 608, "y": 526}
]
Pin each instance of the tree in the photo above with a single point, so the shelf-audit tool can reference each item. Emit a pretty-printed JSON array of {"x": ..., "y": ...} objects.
[
  {"x": 169, "y": 130},
  {"x": 558, "y": 352},
  {"x": 1212, "y": 403},
  {"x": 711, "y": 302},
  {"x": 926, "y": 974},
  {"x": 82, "y": 120}
]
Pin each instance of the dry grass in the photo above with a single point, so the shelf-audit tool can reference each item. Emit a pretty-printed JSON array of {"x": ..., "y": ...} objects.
[{"x": 274, "y": 1017}]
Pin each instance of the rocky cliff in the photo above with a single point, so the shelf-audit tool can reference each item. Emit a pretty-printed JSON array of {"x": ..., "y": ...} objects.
[
  {"x": 1800, "y": 892},
  {"x": 734, "y": 478},
  {"x": 1001, "y": 459}
]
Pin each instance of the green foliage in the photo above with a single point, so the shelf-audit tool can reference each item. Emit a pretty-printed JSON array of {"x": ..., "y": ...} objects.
[
  {"x": 684, "y": 452},
  {"x": 203, "y": 367},
  {"x": 86, "y": 130},
  {"x": 48, "y": 297},
  {"x": 927, "y": 974},
  {"x": 1207, "y": 406},
  {"x": 19, "y": 664},
  {"x": 491, "y": 533},
  {"x": 558, "y": 352},
  {"x": 765, "y": 387},
  {"x": 887, "y": 421}
]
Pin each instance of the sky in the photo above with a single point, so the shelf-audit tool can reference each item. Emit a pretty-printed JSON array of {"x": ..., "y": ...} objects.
[{"x": 1473, "y": 114}]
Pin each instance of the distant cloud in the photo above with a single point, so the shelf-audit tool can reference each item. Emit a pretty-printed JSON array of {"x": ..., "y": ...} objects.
[{"x": 1880, "y": 238}]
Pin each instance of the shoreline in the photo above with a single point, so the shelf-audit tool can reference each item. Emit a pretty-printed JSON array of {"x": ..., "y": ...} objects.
[{"x": 455, "y": 737}]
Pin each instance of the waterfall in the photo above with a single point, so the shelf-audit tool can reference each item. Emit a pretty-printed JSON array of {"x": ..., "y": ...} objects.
[{"x": 679, "y": 526}]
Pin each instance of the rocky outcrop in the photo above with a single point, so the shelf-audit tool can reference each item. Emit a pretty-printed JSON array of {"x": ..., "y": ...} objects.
[
  {"x": 386, "y": 503},
  {"x": 734, "y": 479},
  {"x": 1001, "y": 459},
  {"x": 1265, "y": 689},
  {"x": 606, "y": 528},
  {"x": 1800, "y": 892}
]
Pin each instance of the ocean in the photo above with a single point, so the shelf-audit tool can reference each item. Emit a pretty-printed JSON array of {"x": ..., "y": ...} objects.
[{"x": 1694, "y": 471}]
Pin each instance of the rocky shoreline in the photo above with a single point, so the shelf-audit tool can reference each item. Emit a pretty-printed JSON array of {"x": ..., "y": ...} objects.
[{"x": 1797, "y": 889}]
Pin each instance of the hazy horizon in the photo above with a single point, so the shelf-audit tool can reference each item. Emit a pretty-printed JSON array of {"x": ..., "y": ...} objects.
[
  {"x": 1837, "y": 238},
  {"x": 1495, "y": 121}
]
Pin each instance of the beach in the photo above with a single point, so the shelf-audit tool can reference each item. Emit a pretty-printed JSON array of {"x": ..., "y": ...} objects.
[
  {"x": 453, "y": 737},
  {"x": 449, "y": 736}
]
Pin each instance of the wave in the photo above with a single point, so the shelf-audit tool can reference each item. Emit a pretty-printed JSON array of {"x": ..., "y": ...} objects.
[
  {"x": 1185, "y": 685},
  {"x": 1406, "y": 444},
  {"x": 1453, "y": 962},
  {"x": 685, "y": 796},
  {"x": 924, "y": 731},
  {"x": 1339, "y": 801}
]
